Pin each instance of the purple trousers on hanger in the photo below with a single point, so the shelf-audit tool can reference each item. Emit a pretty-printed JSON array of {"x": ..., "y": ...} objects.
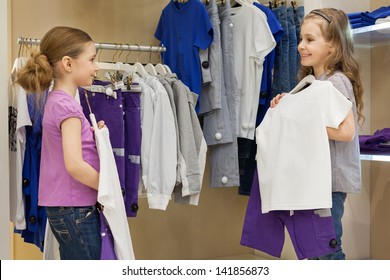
[
  {"x": 132, "y": 123},
  {"x": 109, "y": 109}
]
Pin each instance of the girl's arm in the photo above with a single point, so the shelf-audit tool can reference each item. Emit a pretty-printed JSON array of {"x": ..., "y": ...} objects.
[
  {"x": 346, "y": 130},
  {"x": 74, "y": 163}
]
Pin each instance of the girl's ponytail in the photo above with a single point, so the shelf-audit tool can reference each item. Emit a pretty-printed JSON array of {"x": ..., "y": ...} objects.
[{"x": 36, "y": 75}]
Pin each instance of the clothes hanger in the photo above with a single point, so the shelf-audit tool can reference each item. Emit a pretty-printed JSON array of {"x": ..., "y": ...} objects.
[
  {"x": 150, "y": 67},
  {"x": 169, "y": 71},
  {"x": 139, "y": 68},
  {"x": 159, "y": 67},
  {"x": 125, "y": 67},
  {"x": 113, "y": 71}
]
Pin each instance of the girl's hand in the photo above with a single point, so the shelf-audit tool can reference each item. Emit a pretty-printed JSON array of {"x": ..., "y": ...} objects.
[
  {"x": 276, "y": 100},
  {"x": 100, "y": 124}
]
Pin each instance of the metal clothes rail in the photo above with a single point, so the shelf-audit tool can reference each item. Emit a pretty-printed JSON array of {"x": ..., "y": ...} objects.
[{"x": 104, "y": 46}]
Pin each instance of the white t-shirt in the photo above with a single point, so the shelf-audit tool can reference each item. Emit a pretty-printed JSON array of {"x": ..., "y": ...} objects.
[
  {"x": 19, "y": 118},
  {"x": 293, "y": 156},
  {"x": 252, "y": 42}
]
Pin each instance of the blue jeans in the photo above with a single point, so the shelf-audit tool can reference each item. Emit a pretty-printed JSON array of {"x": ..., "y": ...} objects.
[
  {"x": 281, "y": 77},
  {"x": 292, "y": 48},
  {"x": 338, "y": 199},
  {"x": 298, "y": 18},
  {"x": 77, "y": 230}
]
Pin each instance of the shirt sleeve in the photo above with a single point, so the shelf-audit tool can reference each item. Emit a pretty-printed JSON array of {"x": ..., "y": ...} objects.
[
  {"x": 204, "y": 30},
  {"x": 64, "y": 110},
  {"x": 338, "y": 107},
  {"x": 264, "y": 41},
  {"x": 159, "y": 30}
]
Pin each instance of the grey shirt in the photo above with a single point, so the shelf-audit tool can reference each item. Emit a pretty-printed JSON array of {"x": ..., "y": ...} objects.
[{"x": 345, "y": 156}]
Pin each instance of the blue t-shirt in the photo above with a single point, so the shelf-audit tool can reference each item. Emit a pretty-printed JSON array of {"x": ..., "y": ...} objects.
[{"x": 183, "y": 29}]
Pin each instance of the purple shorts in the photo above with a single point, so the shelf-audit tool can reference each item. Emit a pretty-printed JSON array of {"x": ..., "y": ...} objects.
[{"x": 311, "y": 231}]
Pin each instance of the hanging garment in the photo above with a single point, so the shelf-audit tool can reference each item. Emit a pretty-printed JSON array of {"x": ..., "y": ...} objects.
[
  {"x": 181, "y": 169},
  {"x": 106, "y": 103},
  {"x": 35, "y": 215},
  {"x": 281, "y": 75},
  {"x": 253, "y": 40},
  {"x": 211, "y": 66},
  {"x": 183, "y": 29},
  {"x": 217, "y": 128},
  {"x": 192, "y": 143},
  {"x": 110, "y": 194},
  {"x": 18, "y": 119},
  {"x": 296, "y": 147},
  {"x": 224, "y": 170},
  {"x": 266, "y": 81},
  {"x": 133, "y": 135},
  {"x": 158, "y": 145},
  {"x": 247, "y": 147}
]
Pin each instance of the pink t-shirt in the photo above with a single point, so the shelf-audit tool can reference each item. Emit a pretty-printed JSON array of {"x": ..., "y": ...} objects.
[{"x": 56, "y": 186}]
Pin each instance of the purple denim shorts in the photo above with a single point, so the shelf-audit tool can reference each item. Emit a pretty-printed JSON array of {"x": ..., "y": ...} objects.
[{"x": 311, "y": 231}]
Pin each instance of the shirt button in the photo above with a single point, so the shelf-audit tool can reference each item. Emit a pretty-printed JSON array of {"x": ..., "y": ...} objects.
[
  {"x": 218, "y": 136},
  {"x": 224, "y": 180},
  {"x": 205, "y": 64},
  {"x": 26, "y": 182},
  {"x": 231, "y": 25},
  {"x": 109, "y": 92},
  {"x": 333, "y": 243},
  {"x": 33, "y": 219},
  {"x": 134, "y": 207}
]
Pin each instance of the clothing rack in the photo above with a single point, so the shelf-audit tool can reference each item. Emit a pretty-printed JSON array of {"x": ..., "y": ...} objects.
[{"x": 103, "y": 46}]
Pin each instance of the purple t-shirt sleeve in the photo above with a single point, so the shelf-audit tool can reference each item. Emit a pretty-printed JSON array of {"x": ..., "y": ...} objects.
[{"x": 64, "y": 110}]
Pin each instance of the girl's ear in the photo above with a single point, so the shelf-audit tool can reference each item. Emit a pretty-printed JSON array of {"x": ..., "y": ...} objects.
[
  {"x": 330, "y": 47},
  {"x": 67, "y": 63}
]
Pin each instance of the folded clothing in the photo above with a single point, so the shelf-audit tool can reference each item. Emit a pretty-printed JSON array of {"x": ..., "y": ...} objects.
[{"x": 379, "y": 142}]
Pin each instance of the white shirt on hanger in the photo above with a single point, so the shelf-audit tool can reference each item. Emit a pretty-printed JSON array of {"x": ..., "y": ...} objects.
[
  {"x": 158, "y": 145},
  {"x": 19, "y": 119},
  {"x": 252, "y": 41}
]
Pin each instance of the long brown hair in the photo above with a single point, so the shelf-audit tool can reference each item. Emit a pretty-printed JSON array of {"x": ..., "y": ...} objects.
[
  {"x": 338, "y": 32},
  {"x": 60, "y": 41}
]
